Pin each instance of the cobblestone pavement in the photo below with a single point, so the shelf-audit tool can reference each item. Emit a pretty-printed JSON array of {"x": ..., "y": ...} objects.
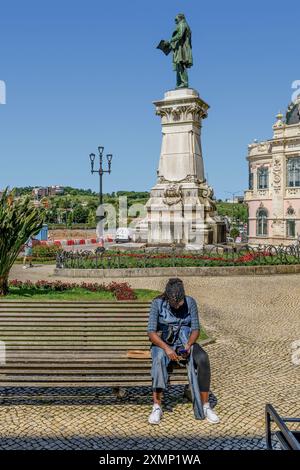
[{"x": 254, "y": 320}]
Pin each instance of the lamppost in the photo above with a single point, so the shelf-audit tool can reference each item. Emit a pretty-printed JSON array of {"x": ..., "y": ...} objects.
[{"x": 100, "y": 172}]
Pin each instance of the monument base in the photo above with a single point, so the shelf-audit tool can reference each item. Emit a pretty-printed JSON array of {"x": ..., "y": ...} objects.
[{"x": 181, "y": 214}]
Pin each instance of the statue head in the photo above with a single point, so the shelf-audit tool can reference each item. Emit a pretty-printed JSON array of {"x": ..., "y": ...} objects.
[{"x": 179, "y": 18}]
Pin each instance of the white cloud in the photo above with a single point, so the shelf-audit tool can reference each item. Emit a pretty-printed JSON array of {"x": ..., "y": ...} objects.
[{"x": 2, "y": 92}]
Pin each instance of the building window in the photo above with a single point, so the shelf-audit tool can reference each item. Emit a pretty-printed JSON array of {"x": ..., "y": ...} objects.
[
  {"x": 250, "y": 180},
  {"x": 262, "y": 178},
  {"x": 262, "y": 222},
  {"x": 290, "y": 228},
  {"x": 293, "y": 172}
]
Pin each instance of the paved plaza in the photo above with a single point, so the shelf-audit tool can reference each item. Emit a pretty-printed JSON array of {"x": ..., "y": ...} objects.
[{"x": 254, "y": 320}]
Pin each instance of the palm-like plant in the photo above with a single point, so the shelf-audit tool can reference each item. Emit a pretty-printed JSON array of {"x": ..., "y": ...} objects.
[{"x": 19, "y": 220}]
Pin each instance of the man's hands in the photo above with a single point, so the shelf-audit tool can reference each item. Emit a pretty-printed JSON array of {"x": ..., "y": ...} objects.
[
  {"x": 187, "y": 347},
  {"x": 157, "y": 341},
  {"x": 171, "y": 354}
]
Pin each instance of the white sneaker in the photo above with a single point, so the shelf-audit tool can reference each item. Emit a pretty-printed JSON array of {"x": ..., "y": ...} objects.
[
  {"x": 156, "y": 415},
  {"x": 25, "y": 267},
  {"x": 210, "y": 415}
]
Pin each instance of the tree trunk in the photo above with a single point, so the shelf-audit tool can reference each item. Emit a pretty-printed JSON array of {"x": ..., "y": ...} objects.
[{"x": 3, "y": 285}]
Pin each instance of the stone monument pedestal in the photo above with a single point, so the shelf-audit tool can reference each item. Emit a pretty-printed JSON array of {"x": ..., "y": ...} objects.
[{"x": 181, "y": 208}]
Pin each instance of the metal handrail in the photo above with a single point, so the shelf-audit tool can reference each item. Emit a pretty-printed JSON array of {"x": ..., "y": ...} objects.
[{"x": 271, "y": 415}]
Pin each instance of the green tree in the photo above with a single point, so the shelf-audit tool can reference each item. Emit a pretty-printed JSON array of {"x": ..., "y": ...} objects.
[
  {"x": 19, "y": 220},
  {"x": 92, "y": 218},
  {"x": 80, "y": 214},
  {"x": 92, "y": 204},
  {"x": 70, "y": 219},
  {"x": 51, "y": 216},
  {"x": 234, "y": 232},
  {"x": 233, "y": 210}
]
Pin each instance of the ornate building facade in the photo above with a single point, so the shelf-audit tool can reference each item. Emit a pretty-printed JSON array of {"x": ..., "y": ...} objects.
[{"x": 273, "y": 197}]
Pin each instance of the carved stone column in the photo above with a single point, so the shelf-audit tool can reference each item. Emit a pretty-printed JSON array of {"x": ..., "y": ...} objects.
[
  {"x": 279, "y": 183},
  {"x": 181, "y": 207},
  {"x": 181, "y": 114}
]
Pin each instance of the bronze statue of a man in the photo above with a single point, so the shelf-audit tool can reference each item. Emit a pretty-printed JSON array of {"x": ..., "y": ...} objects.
[{"x": 181, "y": 45}]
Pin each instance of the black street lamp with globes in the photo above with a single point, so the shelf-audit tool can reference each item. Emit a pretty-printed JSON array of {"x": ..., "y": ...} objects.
[{"x": 100, "y": 171}]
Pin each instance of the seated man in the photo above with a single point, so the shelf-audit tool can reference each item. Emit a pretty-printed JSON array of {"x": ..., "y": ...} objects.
[{"x": 174, "y": 328}]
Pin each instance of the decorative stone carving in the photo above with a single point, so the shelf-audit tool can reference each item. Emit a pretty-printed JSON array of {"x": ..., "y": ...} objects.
[
  {"x": 262, "y": 192},
  {"x": 290, "y": 211},
  {"x": 163, "y": 112},
  {"x": 197, "y": 111},
  {"x": 172, "y": 195},
  {"x": 259, "y": 148},
  {"x": 276, "y": 178},
  {"x": 279, "y": 122},
  {"x": 262, "y": 148},
  {"x": 162, "y": 180},
  {"x": 207, "y": 195},
  {"x": 277, "y": 174},
  {"x": 188, "y": 179},
  {"x": 207, "y": 192},
  {"x": 293, "y": 191},
  {"x": 277, "y": 226},
  {"x": 182, "y": 113},
  {"x": 294, "y": 145},
  {"x": 176, "y": 113}
]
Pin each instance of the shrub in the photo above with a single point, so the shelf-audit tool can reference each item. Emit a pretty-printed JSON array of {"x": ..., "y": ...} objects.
[
  {"x": 46, "y": 251},
  {"x": 19, "y": 220},
  {"x": 122, "y": 291},
  {"x": 234, "y": 232}
]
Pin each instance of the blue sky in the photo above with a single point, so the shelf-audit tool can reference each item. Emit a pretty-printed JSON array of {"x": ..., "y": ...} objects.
[{"x": 84, "y": 73}]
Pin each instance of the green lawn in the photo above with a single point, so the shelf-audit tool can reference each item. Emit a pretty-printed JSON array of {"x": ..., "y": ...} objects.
[{"x": 203, "y": 335}]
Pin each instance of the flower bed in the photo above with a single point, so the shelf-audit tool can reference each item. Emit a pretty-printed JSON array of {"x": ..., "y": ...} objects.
[
  {"x": 144, "y": 259},
  {"x": 121, "y": 291}
]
